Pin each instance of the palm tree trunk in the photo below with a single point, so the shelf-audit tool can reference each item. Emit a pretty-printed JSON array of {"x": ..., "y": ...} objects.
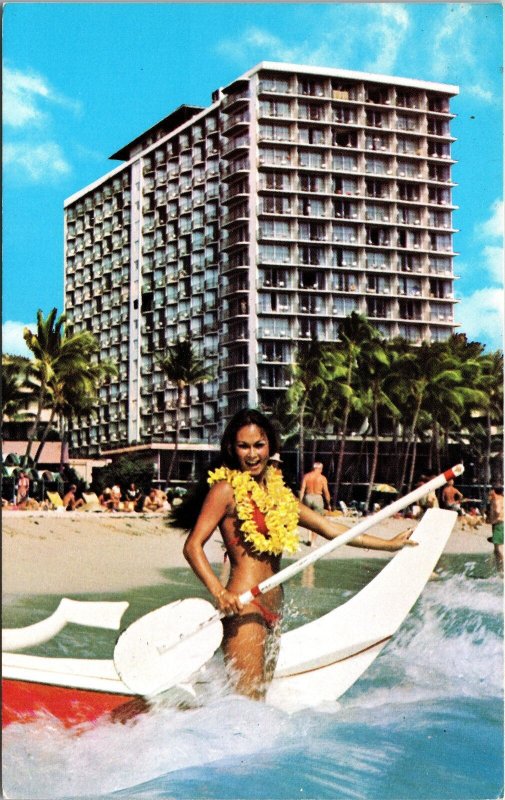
[
  {"x": 301, "y": 440},
  {"x": 341, "y": 451},
  {"x": 38, "y": 416},
  {"x": 411, "y": 440},
  {"x": 175, "y": 453},
  {"x": 375, "y": 459},
  {"x": 43, "y": 438}
]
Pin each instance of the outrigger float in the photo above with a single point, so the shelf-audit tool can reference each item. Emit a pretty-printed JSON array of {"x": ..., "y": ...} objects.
[{"x": 163, "y": 653}]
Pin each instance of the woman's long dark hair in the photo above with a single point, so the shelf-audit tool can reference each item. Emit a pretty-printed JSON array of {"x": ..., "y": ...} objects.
[{"x": 186, "y": 514}]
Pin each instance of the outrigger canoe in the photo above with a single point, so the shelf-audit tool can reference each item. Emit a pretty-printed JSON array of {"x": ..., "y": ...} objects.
[{"x": 317, "y": 662}]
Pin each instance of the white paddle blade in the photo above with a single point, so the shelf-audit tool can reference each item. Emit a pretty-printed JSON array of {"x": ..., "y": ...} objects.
[{"x": 168, "y": 645}]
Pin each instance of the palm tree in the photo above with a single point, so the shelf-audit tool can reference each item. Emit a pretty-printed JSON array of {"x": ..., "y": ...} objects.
[
  {"x": 16, "y": 388},
  {"x": 73, "y": 393},
  {"x": 183, "y": 368},
  {"x": 355, "y": 333},
  {"x": 58, "y": 354},
  {"x": 374, "y": 366},
  {"x": 306, "y": 391}
]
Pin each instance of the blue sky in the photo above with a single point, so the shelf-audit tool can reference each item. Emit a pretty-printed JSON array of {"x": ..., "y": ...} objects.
[{"x": 81, "y": 80}]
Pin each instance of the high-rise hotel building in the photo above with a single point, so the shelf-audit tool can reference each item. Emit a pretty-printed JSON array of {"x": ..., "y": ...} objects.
[{"x": 299, "y": 195}]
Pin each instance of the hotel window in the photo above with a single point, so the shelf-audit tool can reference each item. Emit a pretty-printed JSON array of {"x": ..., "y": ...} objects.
[
  {"x": 276, "y": 253},
  {"x": 408, "y": 191},
  {"x": 376, "y": 142},
  {"x": 271, "y": 155},
  {"x": 376, "y": 211},
  {"x": 274, "y": 85},
  {"x": 345, "y": 162},
  {"x": 377, "y": 307},
  {"x": 345, "y": 208},
  {"x": 311, "y": 159},
  {"x": 377, "y": 283},
  {"x": 311, "y": 135},
  {"x": 344, "y": 114},
  {"x": 377, "y": 119},
  {"x": 347, "y": 186},
  {"x": 377, "y": 166},
  {"x": 409, "y": 332},
  {"x": 344, "y": 233},
  {"x": 379, "y": 237},
  {"x": 439, "y": 172},
  {"x": 275, "y": 205},
  {"x": 440, "y": 241},
  {"x": 310, "y": 207},
  {"x": 438, "y": 127},
  {"x": 312, "y": 230},
  {"x": 345, "y": 282},
  {"x": 408, "y": 238},
  {"x": 311, "y": 255},
  {"x": 377, "y": 188},
  {"x": 439, "y": 149},
  {"x": 439, "y": 219},
  {"x": 377, "y": 260},
  {"x": 409, "y": 286},
  {"x": 272, "y": 277},
  {"x": 408, "y": 216},
  {"x": 439, "y": 196},
  {"x": 440, "y": 265},
  {"x": 275, "y": 180},
  {"x": 407, "y": 146},
  {"x": 406, "y": 122},
  {"x": 312, "y": 183},
  {"x": 310, "y": 111},
  {"x": 343, "y": 306},
  {"x": 409, "y": 169},
  {"x": 345, "y": 138},
  {"x": 274, "y": 108},
  {"x": 274, "y": 229},
  {"x": 410, "y": 262},
  {"x": 279, "y": 133},
  {"x": 341, "y": 257}
]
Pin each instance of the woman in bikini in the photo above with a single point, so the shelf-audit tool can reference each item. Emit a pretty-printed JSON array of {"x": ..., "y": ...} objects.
[{"x": 258, "y": 518}]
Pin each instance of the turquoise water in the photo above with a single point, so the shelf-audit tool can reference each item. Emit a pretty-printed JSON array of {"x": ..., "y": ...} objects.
[{"x": 425, "y": 722}]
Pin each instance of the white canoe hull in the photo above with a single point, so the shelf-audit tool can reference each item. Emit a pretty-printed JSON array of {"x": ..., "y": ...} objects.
[{"x": 318, "y": 661}]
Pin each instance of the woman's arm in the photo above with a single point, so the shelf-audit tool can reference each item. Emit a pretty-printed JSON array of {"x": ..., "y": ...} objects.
[
  {"x": 330, "y": 530},
  {"x": 215, "y": 507}
]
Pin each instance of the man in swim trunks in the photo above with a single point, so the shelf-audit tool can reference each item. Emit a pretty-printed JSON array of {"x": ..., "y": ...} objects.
[
  {"x": 251, "y": 632},
  {"x": 314, "y": 492},
  {"x": 495, "y": 519}
]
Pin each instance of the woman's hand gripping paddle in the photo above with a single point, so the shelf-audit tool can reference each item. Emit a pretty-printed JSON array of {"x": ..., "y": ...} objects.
[{"x": 173, "y": 642}]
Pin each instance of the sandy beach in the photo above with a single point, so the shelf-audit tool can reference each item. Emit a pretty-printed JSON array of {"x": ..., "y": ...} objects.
[{"x": 74, "y": 552}]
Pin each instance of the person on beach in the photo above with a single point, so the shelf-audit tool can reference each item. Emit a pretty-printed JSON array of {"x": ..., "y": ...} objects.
[
  {"x": 70, "y": 501},
  {"x": 314, "y": 492},
  {"x": 451, "y": 498},
  {"x": 258, "y": 518},
  {"x": 495, "y": 519},
  {"x": 23, "y": 488}
]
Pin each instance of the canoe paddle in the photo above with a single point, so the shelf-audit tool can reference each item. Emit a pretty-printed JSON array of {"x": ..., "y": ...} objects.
[{"x": 168, "y": 645}]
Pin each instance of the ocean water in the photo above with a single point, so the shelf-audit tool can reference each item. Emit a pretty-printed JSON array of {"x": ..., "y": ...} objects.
[{"x": 425, "y": 722}]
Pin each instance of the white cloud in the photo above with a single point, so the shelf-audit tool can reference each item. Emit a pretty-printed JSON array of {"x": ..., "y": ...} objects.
[
  {"x": 493, "y": 227},
  {"x": 483, "y": 315},
  {"x": 37, "y": 162},
  {"x": 12, "y": 339},
  {"x": 24, "y": 97},
  {"x": 493, "y": 261},
  {"x": 480, "y": 93},
  {"x": 380, "y": 28}
]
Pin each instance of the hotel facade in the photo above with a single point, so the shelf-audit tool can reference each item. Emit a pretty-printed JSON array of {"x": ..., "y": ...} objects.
[{"x": 299, "y": 195}]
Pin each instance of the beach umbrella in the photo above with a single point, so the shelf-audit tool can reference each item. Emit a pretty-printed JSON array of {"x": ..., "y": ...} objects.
[{"x": 384, "y": 488}]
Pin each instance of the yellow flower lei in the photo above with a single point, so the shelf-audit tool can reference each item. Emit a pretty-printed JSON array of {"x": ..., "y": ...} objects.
[{"x": 277, "y": 503}]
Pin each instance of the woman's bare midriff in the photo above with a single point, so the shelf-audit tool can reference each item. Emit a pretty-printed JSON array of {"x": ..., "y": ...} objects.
[{"x": 246, "y": 570}]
